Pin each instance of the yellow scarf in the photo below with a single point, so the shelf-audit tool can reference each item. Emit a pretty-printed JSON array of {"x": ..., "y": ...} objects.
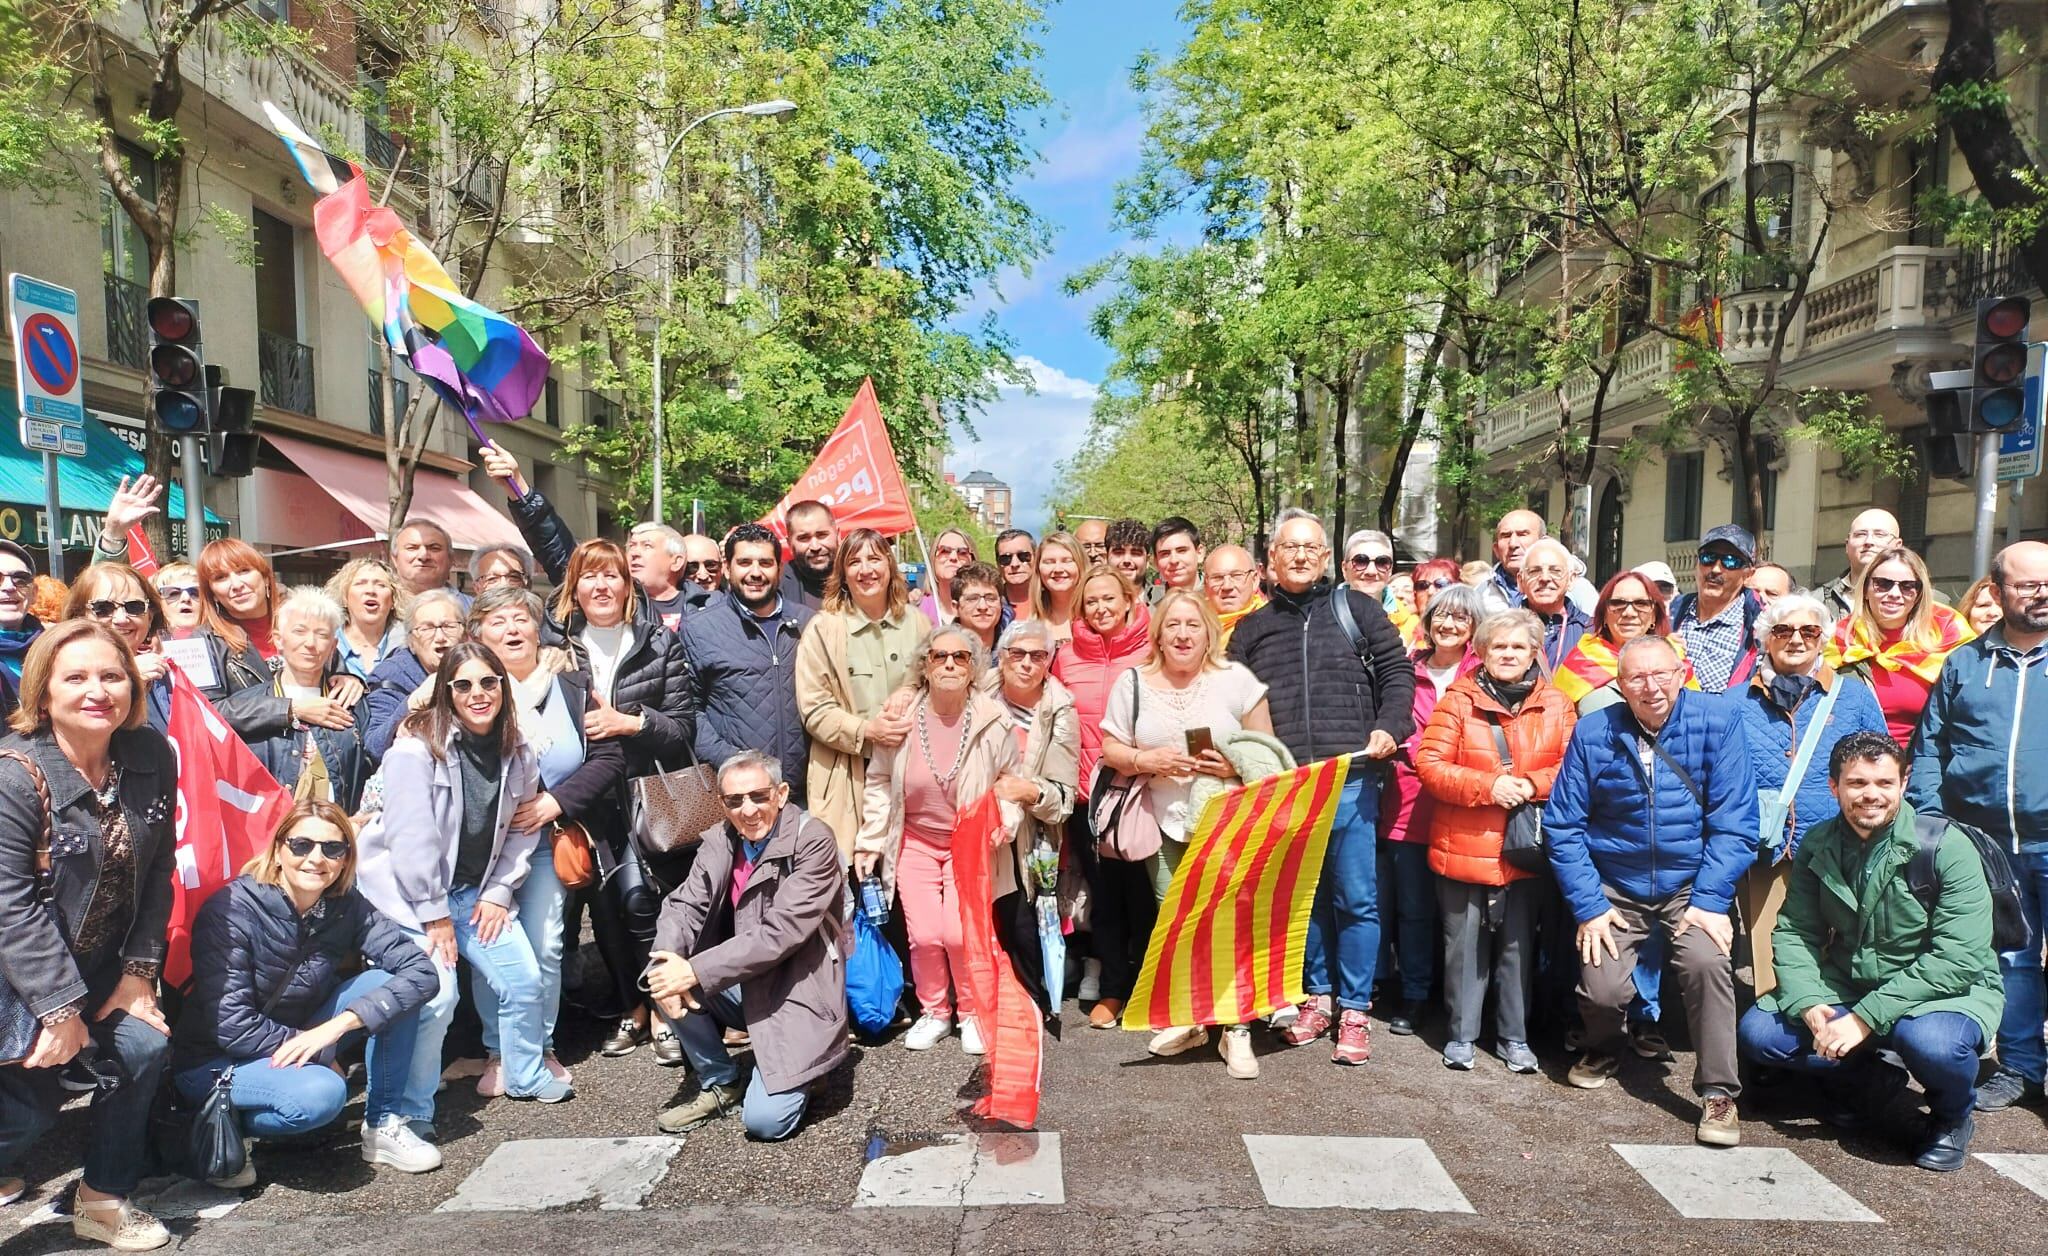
[{"x": 1230, "y": 618}]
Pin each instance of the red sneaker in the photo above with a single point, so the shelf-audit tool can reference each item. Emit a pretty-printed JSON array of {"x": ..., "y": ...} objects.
[
  {"x": 1354, "y": 1039},
  {"x": 1312, "y": 1021}
]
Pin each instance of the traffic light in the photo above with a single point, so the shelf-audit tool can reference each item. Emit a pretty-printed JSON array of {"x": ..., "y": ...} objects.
[
  {"x": 1998, "y": 374},
  {"x": 231, "y": 445},
  {"x": 177, "y": 366},
  {"x": 1951, "y": 449}
]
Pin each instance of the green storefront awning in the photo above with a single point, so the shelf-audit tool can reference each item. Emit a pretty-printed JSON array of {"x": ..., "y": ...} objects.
[{"x": 85, "y": 486}]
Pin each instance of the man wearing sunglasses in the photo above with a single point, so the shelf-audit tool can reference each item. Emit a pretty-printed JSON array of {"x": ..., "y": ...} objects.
[
  {"x": 1718, "y": 623},
  {"x": 750, "y": 942},
  {"x": 18, "y": 628},
  {"x": 1016, "y": 559},
  {"x": 703, "y": 566}
]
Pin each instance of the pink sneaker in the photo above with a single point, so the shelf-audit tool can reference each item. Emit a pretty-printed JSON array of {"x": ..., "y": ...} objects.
[
  {"x": 1354, "y": 1038},
  {"x": 1312, "y": 1021},
  {"x": 492, "y": 1084}
]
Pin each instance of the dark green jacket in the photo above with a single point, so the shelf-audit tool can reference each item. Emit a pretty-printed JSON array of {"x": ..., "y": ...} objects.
[{"x": 1869, "y": 943}]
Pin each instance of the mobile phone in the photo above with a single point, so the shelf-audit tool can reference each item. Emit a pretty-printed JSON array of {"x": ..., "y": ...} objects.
[{"x": 1200, "y": 739}]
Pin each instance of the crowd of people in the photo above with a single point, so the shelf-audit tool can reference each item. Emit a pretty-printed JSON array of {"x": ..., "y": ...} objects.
[{"x": 1795, "y": 810}]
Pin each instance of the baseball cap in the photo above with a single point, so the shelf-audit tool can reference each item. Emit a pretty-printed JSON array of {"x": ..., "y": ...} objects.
[
  {"x": 1657, "y": 573},
  {"x": 9, "y": 547},
  {"x": 1734, "y": 536}
]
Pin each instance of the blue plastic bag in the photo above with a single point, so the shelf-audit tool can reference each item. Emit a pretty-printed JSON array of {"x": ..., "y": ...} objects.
[{"x": 874, "y": 978}]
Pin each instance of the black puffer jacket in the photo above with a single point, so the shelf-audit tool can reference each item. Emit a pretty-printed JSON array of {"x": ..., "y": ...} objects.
[
  {"x": 342, "y": 749},
  {"x": 653, "y": 680},
  {"x": 1322, "y": 699},
  {"x": 242, "y": 949}
]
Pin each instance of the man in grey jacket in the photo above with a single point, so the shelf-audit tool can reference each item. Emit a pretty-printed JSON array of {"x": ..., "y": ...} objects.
[{"x": 751, "y": 941}]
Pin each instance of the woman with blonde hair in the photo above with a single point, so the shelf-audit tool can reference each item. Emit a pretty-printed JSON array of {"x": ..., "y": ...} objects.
[
  {"x": 178, "y": 585},
  {"x": 377, "y": 605},
  {"x": 1061, "y": 561},
  {"x": 1896, "y": 637}
]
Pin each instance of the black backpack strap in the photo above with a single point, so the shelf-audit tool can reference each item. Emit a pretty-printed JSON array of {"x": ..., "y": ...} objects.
[
  {"x": 1340, "y": 606},
  {"x": 1923, "y": 874}
]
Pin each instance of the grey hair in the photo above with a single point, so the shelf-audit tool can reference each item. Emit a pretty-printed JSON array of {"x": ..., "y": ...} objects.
[
  {"x": 1024, "y": 629},
  {"x": 504, "y": 597},
  {"x": 751, "y": 759},
  {"x": 1641, "y": 643},
  {"x": 1367, "y": 534},
  {"x": 313, "y": 602},
  {"x": 1458, "y": 597},
  {"x": 488, "y": 552},
  {"x": 1794, "y": 603},
  {"x": 921, "y": 657},
  {"x": 671, "y": 540},
  {"x": 1515, "y": 617},
  {"x": 449, "y": 596},
  {"x": 418, "y": 524},
  {"x": 1288, "y": 516},
  {"x": 1552, "y": 543}
]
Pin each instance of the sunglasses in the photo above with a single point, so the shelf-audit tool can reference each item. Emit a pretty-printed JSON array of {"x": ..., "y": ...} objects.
[
  {"x": 1805, "y": 632},
  {"x": 1726, "y": 562},
  {"x": 103, "y": 608},
  {"x": 964, "y": 658},
  {"x": 19, "y": 579},
  {"x": 1885, "y": 584},
  {"x": 1371, "y": 560},
  {"x": 1029, "y": 656},
  {"x": 1010, "y": 560},
  {"x": 1640, "y": 605},
  {"x": 952, "y": 551},
  {"x": 300, "y": 847},
  {"x": 759, "y": 797},
  {"x": 1441, "y": 582},
  {"x": 709, "y": 566},
  {"x": 463, "y": 684},
  {"x": 179, "y": 592}
]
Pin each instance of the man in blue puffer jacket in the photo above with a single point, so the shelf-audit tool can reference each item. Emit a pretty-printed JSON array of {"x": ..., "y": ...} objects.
[
  {"x": 1978, "y": 758},
  {"x": 1651, "y": 821},
  {"x": 742, "y": 653}
]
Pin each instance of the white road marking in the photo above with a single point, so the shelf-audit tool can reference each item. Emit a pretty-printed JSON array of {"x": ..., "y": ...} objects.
[
  {"x": 1742, "y": 1184},
  {"x": 973, "y": 1170},
  {"x": 1375, "y": 1173}
]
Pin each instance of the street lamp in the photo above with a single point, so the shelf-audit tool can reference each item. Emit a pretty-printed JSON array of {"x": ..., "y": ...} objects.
[{"x": 759, "y": 109}]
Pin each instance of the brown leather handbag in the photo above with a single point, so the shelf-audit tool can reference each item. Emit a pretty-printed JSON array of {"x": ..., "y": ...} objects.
[{"x": 575, "y": 860}]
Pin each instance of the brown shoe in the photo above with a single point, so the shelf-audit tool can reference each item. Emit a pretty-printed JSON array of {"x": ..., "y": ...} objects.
[
  {"x": 1103, "y": 1015},
  {"x": 1719, "y": 1126}
]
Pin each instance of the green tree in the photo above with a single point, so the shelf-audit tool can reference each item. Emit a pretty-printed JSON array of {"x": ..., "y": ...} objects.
[{"x": 1148, "y": 460}]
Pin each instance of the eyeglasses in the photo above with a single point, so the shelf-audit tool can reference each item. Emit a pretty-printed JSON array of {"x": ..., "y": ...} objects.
[
  {"x": 1634, "y": 605},
  {"x": 463, "y": 684},
  {"x": 452, "y": 629},
  {"x": 1010, "y": 560},
  {"x": 1232, "y": 577},
  {"x": 178, "y": 592},
  {"x": 1028, "y": 656},
  {"x": 1726, "y": 562},
  {"x": 1885, "y": 584},
  {"x": 300, "y": 847},
  {"x": 498, "y": 578},
  {"x": 2025, "y": 588},
  {"x": 1808, "y": 633},
  {"x": 759, "y": 797},
  {"x": 1441, "y": 582},
  {"x": 1304, "y": 549},
  {"x": 101, "y": 608},
  {"x": 964, "y": 658},
  {"x": 1649, "y": 680},
  {"x": 19, "y": 579},
  {"x": 1370, "y": 561},
  {"x": 707, "y": 566},
  {"x": 1094, "y": 549}
]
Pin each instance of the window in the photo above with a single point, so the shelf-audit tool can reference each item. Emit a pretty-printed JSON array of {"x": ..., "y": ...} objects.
[
  {"x": 1926, "y": 179},
  {"x": 1684, "y": 479},
  {"x": 124, "y": 262},
  {"x": 1539, "y": 502},
  {"x": 284, "y": 366},
  {"x": 1774, "y": 219},
  {"x": 551, "y": 403},
  {"x": 1769, "y": 451}
]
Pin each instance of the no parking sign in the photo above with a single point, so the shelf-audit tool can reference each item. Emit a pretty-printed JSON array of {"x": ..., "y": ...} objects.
[{"x": 47, "y": 382}]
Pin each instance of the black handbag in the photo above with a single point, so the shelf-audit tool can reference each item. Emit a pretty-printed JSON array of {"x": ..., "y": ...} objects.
[
  {"x": 18, "y": 1025},
  {"x": 213, "y": 1148},
  {"x": 1521, "y": 845}
]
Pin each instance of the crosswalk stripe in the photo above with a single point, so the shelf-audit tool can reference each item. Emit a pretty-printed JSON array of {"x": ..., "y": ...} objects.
[
  {"x": 1381, "y": 1174},
  {"x": 972, "y": 1170},
  {"x": 1741, "y": 1184},
  {"x": 2030, "y": 1171},
  {"x": 527, "y": 1175}
]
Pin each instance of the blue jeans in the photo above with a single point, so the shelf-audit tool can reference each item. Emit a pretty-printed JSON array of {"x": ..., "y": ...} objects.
[
  {"x": 1648, "y": 1006},
  {"x": 1346, "y": 914},
  {"x": 1408, "y": 900},
  {"x": 768, "y": 1116},
  {"x": 541, "y": 901},
  {"x": 508, "y": 967},
  {"x": 2026, "y": 1000},
  {"x": 117, "y": 1149},
  {"x": 275, "y": 1102},
  {"x": 1938, "y": 1048}
]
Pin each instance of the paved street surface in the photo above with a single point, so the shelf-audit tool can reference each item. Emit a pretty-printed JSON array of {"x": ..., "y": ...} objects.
[{"x": 1133, "y": 1154}]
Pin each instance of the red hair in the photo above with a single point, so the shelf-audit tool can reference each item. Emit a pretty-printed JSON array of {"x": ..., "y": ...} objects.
[
  {"x": 1435, "y": 569},
  {"x": 596, "y": 554},
  {"x": 1660, "y": 624},
  {"x": 219, "y": 560}
]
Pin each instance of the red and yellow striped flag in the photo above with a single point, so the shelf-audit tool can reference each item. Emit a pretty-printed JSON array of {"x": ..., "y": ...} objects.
[{"x": 1231, "y": 933}]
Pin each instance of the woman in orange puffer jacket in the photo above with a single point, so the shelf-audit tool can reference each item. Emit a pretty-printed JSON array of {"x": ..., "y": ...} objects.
[{"x": 1489, "y": 908}]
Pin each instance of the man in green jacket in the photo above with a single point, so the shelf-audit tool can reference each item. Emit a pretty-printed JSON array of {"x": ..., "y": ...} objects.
[{"x": 1862, "y": 962}]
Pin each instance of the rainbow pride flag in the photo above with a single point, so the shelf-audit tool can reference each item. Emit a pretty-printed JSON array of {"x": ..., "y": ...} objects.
[{"x": 479, "y": 361}]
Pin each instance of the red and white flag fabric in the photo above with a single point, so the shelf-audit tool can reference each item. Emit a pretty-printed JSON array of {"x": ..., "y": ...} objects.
[
  {"x": 140, "y": 556},
  {"x": 1011, "y": 1022},
  {"x": 229, "y": 805},
  {"x": 856, "y": 474}
]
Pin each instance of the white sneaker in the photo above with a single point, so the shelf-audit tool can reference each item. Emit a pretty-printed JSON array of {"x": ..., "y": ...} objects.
[
  {"x": 1175, "y": 1041},
  {"x": 394, "y": 1143},
  {"x": 929, "y": 1032},
  {"x": 1238, "y": 1059},
  {"x": 970, "y": 1037},
  {"x": 1285, "y": 1017},
  {"x": 1090, "y": 987}
]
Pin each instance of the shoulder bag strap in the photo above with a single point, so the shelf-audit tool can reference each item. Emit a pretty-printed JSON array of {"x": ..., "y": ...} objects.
[
  {"x": 1500, "y": 742},
  {"x": 1811, "y": 741},
  {"x": 42, "y": 788},
  {"x": 1691, "y": 786}
]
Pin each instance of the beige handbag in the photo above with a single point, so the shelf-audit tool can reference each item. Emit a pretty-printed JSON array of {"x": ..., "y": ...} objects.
[{"x": 671, "y": 810}]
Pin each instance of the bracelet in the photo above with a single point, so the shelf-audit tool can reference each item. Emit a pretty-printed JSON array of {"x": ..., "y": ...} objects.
[{"x": 119, "y": 547}]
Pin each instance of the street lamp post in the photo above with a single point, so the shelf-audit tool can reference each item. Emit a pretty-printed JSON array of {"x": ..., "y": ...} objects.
[{"x": 759, "y": 109}]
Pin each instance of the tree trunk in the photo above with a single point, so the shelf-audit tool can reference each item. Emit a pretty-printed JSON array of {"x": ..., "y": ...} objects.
[
  {"x": 1411, "y": 427},
  {"x": 1991, "y": 146},
  {"x": 1340, "y": 408}
]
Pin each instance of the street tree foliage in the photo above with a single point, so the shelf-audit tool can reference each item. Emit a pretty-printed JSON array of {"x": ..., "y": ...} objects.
[
  {"x": 1152, "y": 461},
  {"x": 1429, "y": 210}
]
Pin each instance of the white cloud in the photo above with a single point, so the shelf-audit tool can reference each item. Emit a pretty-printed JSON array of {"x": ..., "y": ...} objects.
[
  {"x": 1089, "y": 149},
  {"x": 1051, "y": 381},
  {"x": 1022, "y": 437}
]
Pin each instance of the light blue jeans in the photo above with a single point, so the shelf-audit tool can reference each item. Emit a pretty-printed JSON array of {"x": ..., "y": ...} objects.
[
  {"x": 275, "y": 1102},
  {"x": 541, "y": 901},
  {"x": 507, "y": 966},
  {"x": 1344, "y": 930}
]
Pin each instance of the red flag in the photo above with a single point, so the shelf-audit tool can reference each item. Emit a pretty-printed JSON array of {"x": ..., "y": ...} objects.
[
  {"x": 856, "y": 474},
  {"x": 140, "y": 556},
  {"x": 1011, "y": 1023},
  {"x": 228, "y": 808}
]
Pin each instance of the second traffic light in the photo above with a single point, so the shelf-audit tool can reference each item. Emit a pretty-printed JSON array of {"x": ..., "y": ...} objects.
[
  {"x": 1997, "y": 396},
  {"x": 177, "y": 366}
]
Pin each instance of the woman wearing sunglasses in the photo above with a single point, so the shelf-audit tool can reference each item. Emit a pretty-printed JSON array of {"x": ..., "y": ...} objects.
[
  {"x": 1629, "y": 607},
  {"x": 1896, "y": 637},
  {"x": 959, "y": 744},
  {"x": 178, "y": 586},
  {"x": 116, "y": 595},
  {"x": 1795, "y": 708},
  {"x": 289, "y": 962},
  {"x": 445, "y": 860}
]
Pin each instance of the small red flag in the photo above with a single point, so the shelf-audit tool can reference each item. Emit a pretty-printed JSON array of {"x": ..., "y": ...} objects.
[
  {"x": 856, "y": 474},
  {"x": 1011, "y": 1022},
  {"x": 140, "y": 556}
]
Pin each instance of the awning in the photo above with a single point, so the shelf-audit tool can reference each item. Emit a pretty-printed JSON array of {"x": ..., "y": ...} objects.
[
  {"x": 85, "y": 486},
  {"x": 360, "y": 485}
]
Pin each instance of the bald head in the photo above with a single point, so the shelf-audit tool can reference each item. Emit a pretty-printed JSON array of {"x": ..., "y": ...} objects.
[
  {"x": 1511, "y": 538},
  {"x": 1230, "y": 578},
  {"x": 1870, "y": 534},
  {"x": 2021, "y": 571}
]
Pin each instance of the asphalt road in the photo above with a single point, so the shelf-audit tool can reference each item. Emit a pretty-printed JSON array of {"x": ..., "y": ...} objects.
[{"x": 1153, "y": 1154}]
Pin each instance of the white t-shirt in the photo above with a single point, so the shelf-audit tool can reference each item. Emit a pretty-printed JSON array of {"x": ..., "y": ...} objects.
[
  {"x": 1442, "y": 678},
  {"x": 604, "y": 645},
  {"x": 1219, "y": 700}
]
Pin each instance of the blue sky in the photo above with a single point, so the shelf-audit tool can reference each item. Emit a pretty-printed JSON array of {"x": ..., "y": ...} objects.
[{"x": 1089, "y": 141}]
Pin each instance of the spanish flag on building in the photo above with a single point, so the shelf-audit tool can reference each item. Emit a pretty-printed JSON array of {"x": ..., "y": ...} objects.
[{"x": 1231, "y": 933}]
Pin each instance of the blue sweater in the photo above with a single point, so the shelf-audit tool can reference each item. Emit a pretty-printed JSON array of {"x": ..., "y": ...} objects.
[
  {"x": 1606, "y": 825},
  {"x": 1774, "y": 740}
]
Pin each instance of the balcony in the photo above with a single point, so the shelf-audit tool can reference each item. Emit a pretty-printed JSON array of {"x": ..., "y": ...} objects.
[
  {"x": 481, "y": 188},
  {"x": 401, "y": 397},
  {"x": 1645, "y": 363},
  {"x": 127, "y": 322},
  {"x": 284, "y": 370},
  {"x": 1913, "y": 287},
  {"x": 1749, "y": 326}
]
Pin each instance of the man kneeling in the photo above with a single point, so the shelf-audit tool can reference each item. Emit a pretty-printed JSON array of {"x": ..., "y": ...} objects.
[
  {"x": 751, "y": 941},
  {"x": 1863, "y": 963}
]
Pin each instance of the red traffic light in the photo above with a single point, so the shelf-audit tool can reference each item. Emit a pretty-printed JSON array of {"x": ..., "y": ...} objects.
[
  {"x": 171, "y": 319},
  {"x": 2004, "y": 319}
]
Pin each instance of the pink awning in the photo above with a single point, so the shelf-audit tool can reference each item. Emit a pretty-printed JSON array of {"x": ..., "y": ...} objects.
[{"x": 360, "y": 486}]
